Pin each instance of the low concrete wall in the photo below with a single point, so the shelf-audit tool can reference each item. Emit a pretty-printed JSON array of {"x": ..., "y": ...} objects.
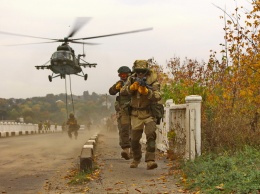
[
  {"x": 87, "y": 155},
  {"x": 10, "y": 129}
]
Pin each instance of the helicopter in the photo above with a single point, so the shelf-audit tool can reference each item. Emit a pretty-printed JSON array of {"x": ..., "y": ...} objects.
[{"x": 64, "y": 60}]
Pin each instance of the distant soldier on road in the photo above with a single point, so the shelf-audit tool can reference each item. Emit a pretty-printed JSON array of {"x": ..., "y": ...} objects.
[
  {"x": 48, "y": 125},
  {"x": 73, "y": 126},
  {"x": 64, "y": 127},
  {"x": 89, "y": 125},
  {"x": 40, "y": 126},
  {"x": 45, "y": 125}
]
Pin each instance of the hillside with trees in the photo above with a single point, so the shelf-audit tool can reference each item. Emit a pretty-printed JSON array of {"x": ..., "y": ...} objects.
[{"x": 56, "y": 108}]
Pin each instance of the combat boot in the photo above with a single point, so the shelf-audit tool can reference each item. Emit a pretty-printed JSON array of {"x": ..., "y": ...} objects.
[
  {"x": 151, "y": 165},
  {"x": 134, "y": 163},
  {"x": 125, "y": 154}
]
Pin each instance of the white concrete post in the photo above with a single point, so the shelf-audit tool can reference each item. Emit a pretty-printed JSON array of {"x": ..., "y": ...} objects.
[
  {"x": 193, "y": 124},
  {"x": 169, "y": 103}
]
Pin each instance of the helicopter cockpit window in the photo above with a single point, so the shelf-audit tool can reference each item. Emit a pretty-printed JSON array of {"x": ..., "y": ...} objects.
[{"x": 62, "y": 55}]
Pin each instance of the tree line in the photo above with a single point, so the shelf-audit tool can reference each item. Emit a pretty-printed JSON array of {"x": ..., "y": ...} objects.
[{"x": 55, "y": 108}]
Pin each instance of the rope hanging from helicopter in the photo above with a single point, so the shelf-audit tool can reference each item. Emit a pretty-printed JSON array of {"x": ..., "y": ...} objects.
[{"x": 72, "y": 101}]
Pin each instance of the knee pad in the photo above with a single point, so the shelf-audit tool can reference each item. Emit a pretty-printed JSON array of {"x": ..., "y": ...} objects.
[{"x": 150, "y": 146}]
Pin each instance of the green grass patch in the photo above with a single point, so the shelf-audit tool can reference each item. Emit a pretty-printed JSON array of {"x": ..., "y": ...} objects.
[
  {"x": 80, "y": 178},
  {"x": 237, "y": 172},
  {"x": 77, "y": 177}
]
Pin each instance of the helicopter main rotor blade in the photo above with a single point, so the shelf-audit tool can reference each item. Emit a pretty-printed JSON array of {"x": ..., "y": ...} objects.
[
  {"x": 115, "y": 34},
  {"x": 14, "y": 34},
  {"x": 79, "y": 23},
  {"x": 29, "y": 43},
  {"x": 88, "y": 43}
]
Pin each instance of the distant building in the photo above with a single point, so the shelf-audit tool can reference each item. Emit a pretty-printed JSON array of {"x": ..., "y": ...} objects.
[
  {"x": 21, "y": 120},
  {"x": 107, "y": 104}
]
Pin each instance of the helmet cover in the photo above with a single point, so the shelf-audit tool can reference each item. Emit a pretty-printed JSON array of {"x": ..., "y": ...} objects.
[{"x": 140, "y": 64}]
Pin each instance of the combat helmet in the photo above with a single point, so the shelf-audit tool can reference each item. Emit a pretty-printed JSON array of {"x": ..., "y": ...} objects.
[
  {"x": 71, "y": 115},
  {"x": 141, "y": 65},
  {"x": 124, "y": 69}
]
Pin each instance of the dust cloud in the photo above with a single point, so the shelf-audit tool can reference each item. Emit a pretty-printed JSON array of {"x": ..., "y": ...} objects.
[{"x": 36, "y": 158}]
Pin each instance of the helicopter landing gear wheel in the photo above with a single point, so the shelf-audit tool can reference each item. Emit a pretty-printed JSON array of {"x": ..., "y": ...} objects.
[
  {"x": 85, "y": 76},
  {"x": 50, "y": 78}
]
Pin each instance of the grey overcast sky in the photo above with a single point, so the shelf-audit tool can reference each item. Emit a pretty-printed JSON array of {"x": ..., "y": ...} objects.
[{"x": 181, "y": 28}]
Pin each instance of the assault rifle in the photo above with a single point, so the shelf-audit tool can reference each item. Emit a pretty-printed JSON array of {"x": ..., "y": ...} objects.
[
  {"x": 122, "y": 82},
  {"x": 142, "y": 82}
]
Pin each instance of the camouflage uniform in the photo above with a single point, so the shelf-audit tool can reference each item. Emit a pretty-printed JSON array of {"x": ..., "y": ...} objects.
[
  {"x": 64, "y": 127},
  {"x": 142, "y": 119},
  {"x": 73, "y": 126},
  {"x": 40, "y": 126},
  {"x": 123, "y": 117}
]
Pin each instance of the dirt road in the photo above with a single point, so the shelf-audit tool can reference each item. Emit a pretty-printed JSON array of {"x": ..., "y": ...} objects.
[{"x": 29, "y": 162}]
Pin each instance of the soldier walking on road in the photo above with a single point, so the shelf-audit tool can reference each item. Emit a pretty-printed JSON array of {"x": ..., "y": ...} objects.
[
  {"x": 45, "y": 125},
  {"x": 121, "y": 107},
  {"x": 145, "y": 91},
  {"x": 48, "y": 125},
  {"x": 89, "y": 125},
  {"x": 73, "y": 126},
  {"x": 40, "y": 126},
  {"x": 64, "y": 127}
]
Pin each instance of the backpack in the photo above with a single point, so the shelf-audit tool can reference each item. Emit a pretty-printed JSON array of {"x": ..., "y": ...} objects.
[{"x": 157, "y": 112}]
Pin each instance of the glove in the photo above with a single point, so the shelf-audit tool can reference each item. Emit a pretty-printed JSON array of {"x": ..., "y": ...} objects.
[
  {"x": 134, "y": 86},
  {"x": 118, "y": 85},
  {"x": 143, "y": 90}
]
